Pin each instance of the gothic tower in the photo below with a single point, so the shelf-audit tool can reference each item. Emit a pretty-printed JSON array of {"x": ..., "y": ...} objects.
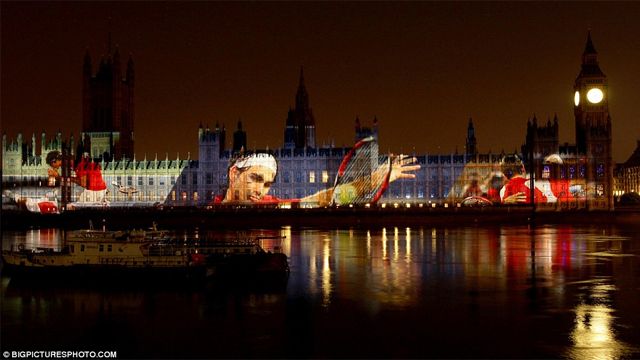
[
  {"x": 364, "y": 132},
  {"x": 290, "y": 131},
  {"x": 300, "y": 128},
  {"x": 591, "y": 101},
  {"x": 239, "y": 139},
  {"x": 541, "y": 140},
  {"x": 593, "y": 124},
  {"x": 108, "y": 107},
  {"x": 211, "y": 143},
  {"x": 471, "y": 147}
]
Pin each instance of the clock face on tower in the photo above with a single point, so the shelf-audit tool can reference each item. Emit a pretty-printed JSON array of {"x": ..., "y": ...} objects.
[
  {"x": 595, "y": 95},
  {"x": 576, "y": 98}
]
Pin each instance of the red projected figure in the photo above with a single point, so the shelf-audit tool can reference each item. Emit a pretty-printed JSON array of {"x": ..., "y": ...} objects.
[
  {"x": 89, "y": 176},
  {"x": 517, "y": 190}
]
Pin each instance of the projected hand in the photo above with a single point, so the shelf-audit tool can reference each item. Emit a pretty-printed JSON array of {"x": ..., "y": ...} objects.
[
  {"x": 401, "y": 165},
  {"x": 517, "y": 198}
]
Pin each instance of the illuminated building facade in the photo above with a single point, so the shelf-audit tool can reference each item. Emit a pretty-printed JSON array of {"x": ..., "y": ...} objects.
[{"x": 303, "y": 167}]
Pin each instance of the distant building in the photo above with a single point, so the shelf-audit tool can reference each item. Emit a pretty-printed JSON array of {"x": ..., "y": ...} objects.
[{"x": 628, "y": 174}]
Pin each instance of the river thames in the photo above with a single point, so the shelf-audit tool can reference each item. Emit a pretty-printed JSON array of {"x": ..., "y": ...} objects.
[{"x": 558, "y": 291}]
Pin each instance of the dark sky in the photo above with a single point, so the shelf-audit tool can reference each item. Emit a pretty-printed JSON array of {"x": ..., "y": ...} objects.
[{"x": 422, "y": 68}]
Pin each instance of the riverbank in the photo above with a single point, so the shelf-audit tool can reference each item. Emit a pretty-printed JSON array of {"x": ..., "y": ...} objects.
[{"x": 242, "y": 218}]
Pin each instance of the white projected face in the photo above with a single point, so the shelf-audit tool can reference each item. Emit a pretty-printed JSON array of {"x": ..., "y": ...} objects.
[
  {"x": 576, "y": 98},
  {"x": 595, "y": 95}
]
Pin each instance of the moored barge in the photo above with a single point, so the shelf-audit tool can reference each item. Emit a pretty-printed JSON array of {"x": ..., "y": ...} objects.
[{"x": 112, "y": 255}]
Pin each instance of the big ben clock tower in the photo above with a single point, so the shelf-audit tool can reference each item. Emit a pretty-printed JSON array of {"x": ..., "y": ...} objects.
[{"x": 593, "y": 127}]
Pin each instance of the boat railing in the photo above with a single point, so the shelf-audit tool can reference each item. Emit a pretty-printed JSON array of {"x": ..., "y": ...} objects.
[{"x": 176, "y": 247}]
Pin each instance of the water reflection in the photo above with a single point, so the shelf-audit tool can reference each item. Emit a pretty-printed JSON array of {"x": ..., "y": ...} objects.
[
  {"x": 399, "y": 268},
  {"x": 546, "y": 291},
  {"x": 593, "y": 335}
]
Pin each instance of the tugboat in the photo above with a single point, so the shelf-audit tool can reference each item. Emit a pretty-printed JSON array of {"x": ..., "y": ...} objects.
[{"x": 101, "y": 254}]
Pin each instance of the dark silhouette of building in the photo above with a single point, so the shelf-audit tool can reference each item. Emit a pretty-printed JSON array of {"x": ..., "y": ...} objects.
[
  {"x": 364, "y": 132},
  {"x": 239, "y": 139},
  {"x": 300, "y": 128},
  {"x": 542, "y": 139},
  {"x": 108, "y": 107},
  {"x": 471, "y": 145}
]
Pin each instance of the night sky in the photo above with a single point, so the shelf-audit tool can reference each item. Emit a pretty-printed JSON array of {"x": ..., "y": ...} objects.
[{"x": 422, "y": 68}]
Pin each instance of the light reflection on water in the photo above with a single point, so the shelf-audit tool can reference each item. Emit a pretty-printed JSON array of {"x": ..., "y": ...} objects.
[{"x": 548, "y": 291}]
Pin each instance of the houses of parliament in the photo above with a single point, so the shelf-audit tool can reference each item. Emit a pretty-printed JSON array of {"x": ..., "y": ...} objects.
[{"x": 304, "y": 168}]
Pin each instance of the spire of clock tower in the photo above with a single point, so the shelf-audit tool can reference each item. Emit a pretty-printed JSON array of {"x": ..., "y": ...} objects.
[{"x": 590, "y": 67}]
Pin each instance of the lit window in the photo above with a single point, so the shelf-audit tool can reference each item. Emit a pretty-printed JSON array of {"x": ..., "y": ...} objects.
[
  {"x": 173, "y": 195},
  {"x": 325, "y": 176},
  {"x": 312, "y": 177},
  {"x": 195, "y": 196}
]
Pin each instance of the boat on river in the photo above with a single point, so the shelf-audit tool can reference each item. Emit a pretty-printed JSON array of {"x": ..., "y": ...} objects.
[{"x": 107, "y": 254}]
